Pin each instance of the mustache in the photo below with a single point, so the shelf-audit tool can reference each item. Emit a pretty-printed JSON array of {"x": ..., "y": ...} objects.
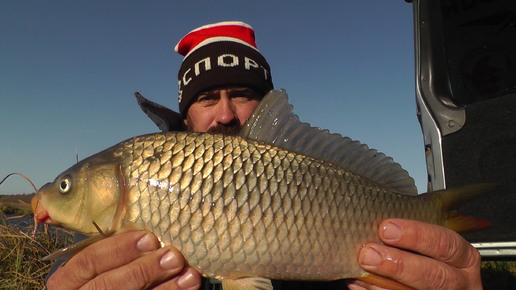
[{"x": 230, "y": 129}]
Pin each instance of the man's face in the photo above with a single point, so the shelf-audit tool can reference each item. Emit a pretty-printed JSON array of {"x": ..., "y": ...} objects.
[{"x": 222, "y": 110}]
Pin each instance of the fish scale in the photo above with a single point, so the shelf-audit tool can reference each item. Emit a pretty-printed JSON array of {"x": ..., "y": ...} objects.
[
  {"x": 249, "y": 209},
  {"x": 281, "y": 200}
]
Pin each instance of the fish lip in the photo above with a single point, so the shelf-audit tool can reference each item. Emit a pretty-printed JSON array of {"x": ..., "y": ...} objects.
[{"x": 40, "y": 212}]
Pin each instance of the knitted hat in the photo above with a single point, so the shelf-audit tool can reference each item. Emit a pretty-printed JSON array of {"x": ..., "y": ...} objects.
[{"x": 220, "y": 54}]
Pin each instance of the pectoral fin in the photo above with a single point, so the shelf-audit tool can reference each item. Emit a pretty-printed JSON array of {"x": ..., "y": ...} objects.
[
  {"x": 383, "y": 282},
  {"x": 71, "y": 250},
  {"x": 254, "y": 283}
]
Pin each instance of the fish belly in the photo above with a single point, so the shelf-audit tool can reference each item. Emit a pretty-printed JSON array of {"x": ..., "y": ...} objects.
[{"x": 237, "y": 208}]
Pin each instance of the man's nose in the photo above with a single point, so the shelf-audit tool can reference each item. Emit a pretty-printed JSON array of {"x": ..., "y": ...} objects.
[{"x": 226, "y": 112}]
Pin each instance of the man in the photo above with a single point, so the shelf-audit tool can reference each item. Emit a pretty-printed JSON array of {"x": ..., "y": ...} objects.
[{"x": 221, "y": 80}]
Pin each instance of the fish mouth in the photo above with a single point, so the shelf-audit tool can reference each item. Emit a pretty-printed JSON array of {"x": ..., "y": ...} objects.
[{"x": 40, "y": 213}]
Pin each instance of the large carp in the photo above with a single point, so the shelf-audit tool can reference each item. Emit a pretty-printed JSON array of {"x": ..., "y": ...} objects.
[{"x": 281, "y": 200}]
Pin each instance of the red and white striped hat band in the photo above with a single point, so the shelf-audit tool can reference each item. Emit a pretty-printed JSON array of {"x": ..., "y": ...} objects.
[
  {"x": 236, "y": 31},
  {"x": 220, "y": 54}
]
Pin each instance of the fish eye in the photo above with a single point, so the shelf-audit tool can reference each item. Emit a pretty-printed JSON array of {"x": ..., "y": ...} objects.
[{"x": 66, "y": 184}]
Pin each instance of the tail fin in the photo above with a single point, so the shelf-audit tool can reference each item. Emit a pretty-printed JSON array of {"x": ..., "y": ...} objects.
[{"x": 452, "y": 198}]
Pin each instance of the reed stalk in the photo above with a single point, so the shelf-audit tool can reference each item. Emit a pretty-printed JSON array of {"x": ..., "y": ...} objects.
[{"x": 20, "y": 254}]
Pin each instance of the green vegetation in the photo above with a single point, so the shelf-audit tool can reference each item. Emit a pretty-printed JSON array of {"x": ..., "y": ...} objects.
[
  {"x": 16, "y": 204},
  {"x": 499, "y": 275},
  {"x": 20, "y": 254},
  {"x": 10, "y": 209}
]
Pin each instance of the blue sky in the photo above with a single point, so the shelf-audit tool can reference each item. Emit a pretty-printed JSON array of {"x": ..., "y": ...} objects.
[{"x": 69, "y": 70}]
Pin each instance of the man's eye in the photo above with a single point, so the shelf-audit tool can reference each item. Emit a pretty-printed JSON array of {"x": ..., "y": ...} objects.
[
  {"x": 241, "y": 98},
  {"x": 204, "y": 99}
]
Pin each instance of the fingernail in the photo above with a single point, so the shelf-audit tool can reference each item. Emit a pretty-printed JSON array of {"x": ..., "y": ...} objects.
[
  {"x": 391, "y": 232},
  {"x": 169, "y": 261},
  {"x": 187, "y": 281},
  {"x": 371, "y": 258},
  {"x": 146, "y": 244}
]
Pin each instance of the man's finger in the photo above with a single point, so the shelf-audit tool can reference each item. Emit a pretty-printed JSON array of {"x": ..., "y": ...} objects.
[
  {"x": 433, "y": 257},
  {"x": 430, "y": 240},
  {"x": 417, "y": 271},
  {"x": 101, "y": 257},
  {"x": 143, "y": 273},
  {"x": 189, "y": 279}
]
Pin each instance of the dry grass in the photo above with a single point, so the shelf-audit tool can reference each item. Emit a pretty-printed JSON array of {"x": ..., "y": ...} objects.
[{"x": 20, "y": 255}]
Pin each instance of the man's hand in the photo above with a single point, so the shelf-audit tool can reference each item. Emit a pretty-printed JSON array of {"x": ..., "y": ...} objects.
[
  {"x": 439, "y": 258},
  {"x": 131, "y": 260}
]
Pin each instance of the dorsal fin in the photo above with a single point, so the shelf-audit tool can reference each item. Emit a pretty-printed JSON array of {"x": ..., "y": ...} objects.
[{"x": 274, "y": 122}]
